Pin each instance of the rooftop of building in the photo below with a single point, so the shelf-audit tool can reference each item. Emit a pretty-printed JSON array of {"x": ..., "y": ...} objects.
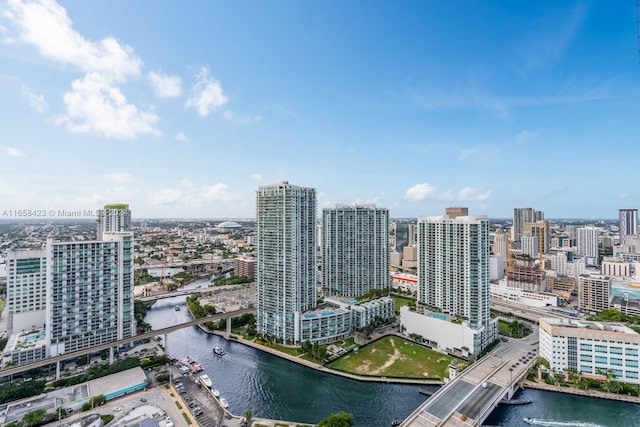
[
  {"x": 324, "y": 312},
  {"x": 592, "y": 325},
  {"x": 25, "y": 340},
  {"x": 118, "y": 206}
]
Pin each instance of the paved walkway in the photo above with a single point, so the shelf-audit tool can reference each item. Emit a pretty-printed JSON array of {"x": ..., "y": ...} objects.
[{"x": 589, "y": 392}]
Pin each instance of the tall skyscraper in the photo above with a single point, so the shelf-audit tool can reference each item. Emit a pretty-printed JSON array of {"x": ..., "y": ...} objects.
[
  {"x": 286, "y": 258},
  {"x": 500, "y": 244},
  {"x": 520, "y": 217},
  {"x": 587, "y": 242},
  {"x": 530, "y": 246},
  {"x": 26, "y": 288},
  {"x": 89, "y": 292},
  {"x": 453, "y": 266},
  {"x": 355, "y": 247},
  {"x": 539, "y": 229},
  {"x": 114, "y": 218},
  {"x": 628, "y": 223}
]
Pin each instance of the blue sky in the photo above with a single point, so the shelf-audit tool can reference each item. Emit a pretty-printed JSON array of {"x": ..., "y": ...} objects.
[{"x": 183, "y": 109}]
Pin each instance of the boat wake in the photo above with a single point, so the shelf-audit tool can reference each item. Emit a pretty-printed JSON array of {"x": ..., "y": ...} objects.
[{"x": 537, "y": 422}]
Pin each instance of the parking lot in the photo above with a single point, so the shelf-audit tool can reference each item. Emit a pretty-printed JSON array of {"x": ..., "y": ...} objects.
[{"x": 197, "y": 400}]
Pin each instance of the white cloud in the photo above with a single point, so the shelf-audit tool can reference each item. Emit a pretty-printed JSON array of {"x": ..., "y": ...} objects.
[
  {"x": 186, "y": 183},
  {"x": 120, "y": 177},
  {"x": 419, "y": 192},
  {"x": 256, "y": 176},
  {"x": 14, "y": 152},
  {"x": 180, "y": 136},
  {"x": 165, "y": 86},
  {"x": 475, "y": 194},
  {"x": 217, "y": 192},
  {"x": 47, "y": 26},
  {"x": 87, "y": 202},
  {"x": 479, "y": 153},
  {"x": 446, "y": 195},
  {"x": 526, "y": 136},
  {"x": 94, "y": 105},
  {"x": 207, "y": 94},
  {"x": 231, "y": 116},
  {"x": 166, "y": 196},
  {"x": 35, "y": 100}
]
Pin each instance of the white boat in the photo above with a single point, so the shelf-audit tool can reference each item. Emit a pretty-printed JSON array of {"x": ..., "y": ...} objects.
[
  {"x": 218, "y": 351},
  {"x": 204, "y": 379},
  {"x": 224, "y": 402},
  {"x": 529, "y": 420},
  {"x": 215, "y": 392}
]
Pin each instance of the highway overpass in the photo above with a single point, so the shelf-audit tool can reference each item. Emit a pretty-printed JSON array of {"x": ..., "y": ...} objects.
[{"x": 115, "y": 344}]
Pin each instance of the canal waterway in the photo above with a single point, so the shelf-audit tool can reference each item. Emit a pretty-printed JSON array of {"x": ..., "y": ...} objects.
[{"x": 272, "y": 387}]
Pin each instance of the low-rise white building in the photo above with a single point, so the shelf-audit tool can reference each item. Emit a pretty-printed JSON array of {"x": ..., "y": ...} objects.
[
  {"x": 25, "y": 347},
  {"x": 590, "y": 348},
  {"x": 445, "y": 335},
  {"x": 405, "y": 282},
  {"x": 534, "y": 299},
  {"x": 365, "y": 313},
  {"x": 325, "y": 325}
]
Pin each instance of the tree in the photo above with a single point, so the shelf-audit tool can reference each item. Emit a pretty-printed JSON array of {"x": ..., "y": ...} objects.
[
  {"x": 247, "y": 416},
  {"x": 34, "y": 417},
  {"x": 340, "y": 419}
]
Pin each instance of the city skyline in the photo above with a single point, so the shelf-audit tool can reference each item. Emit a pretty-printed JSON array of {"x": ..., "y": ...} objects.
[{"x": 414, "y": 108}]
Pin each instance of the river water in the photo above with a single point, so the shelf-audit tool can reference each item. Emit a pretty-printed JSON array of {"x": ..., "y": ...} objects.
[{"x": 272, "y": 387}]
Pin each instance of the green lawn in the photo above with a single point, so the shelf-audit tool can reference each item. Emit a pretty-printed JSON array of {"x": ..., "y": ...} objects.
[
  {"x": 504, "y": 328},
  {"x": 395, "y": 357},
  {"x": 293, "y": 351},
  {"x": 401, "y": 301}
]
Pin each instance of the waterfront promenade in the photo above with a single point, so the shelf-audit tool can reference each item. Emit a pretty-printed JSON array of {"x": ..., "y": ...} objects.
[{"x": 541, "y": 385}]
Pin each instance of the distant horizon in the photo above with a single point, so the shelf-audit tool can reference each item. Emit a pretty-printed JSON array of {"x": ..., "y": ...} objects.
[
  {"x": 247, "y": 219},
  {"x": 413, "y": 106}
]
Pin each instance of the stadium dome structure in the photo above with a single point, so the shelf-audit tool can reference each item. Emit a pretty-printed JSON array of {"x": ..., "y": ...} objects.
[{"x": 229, "y": 225}]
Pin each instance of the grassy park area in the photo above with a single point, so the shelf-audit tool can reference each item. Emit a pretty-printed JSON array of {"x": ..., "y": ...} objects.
[
  {"x": 401, "y": 301},
  {"x": 395, "y": 357}
]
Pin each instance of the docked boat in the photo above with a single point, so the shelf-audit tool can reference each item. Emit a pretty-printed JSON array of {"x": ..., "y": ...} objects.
[
  {"x": 224, "y": 402},
  {"x": 205, "y": 380},
  {"x": 218, "y": 351},
  {"x": 192, "y": 364},
  {"x": 529, "y": 420},
  {"x": 215, "y": 392}
]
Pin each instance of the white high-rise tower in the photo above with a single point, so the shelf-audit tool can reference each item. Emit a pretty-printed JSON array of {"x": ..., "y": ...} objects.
[
  {"x": 453, "y": 268},
  {"x": 355, "y": 248},
  {"x": 89, "y": 292},
  {"x": 114, "y": 218},
  {"x": 286, "y": 258}
]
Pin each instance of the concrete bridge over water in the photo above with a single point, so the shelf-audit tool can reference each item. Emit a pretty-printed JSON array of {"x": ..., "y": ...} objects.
[
  {"x": 468, "y": 399},
  {"x": 150, "y": 299}
]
